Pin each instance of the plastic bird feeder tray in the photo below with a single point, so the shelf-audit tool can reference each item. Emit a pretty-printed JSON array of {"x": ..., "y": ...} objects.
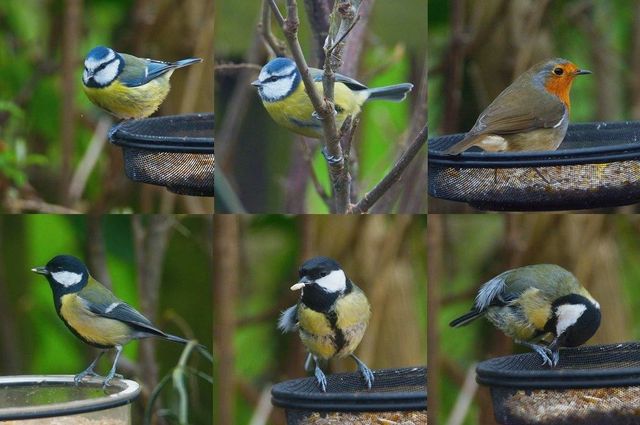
[
  {"x": 596, "y": 166},
  {"x": 592, "y": 385},
  {"x": 398, "y": 395},
  {"x": 173, "y": 151},
  {"x": 56, "y": 400}
]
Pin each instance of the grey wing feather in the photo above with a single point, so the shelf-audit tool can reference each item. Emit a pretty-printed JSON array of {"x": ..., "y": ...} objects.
[
  {"x": 288, "y": 321},
  {"x": 316, "y": 74},
  {"x": 490, "y": 291}
]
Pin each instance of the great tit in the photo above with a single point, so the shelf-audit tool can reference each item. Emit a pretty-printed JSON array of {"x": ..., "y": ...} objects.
[
  {"x": 541, "y": 303},
  {"x": 283, "y": 95},
  {"x": 93, "y": 313},
  {"x": 127, "y": 86},
  {"x": 331, "y": 316}
]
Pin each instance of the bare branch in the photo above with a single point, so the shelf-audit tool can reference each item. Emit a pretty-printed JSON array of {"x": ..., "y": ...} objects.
[
  {"x": 393, "y": 176},
  {"x": 323, "y": 108},
  {"x": 276, "y": 46}
]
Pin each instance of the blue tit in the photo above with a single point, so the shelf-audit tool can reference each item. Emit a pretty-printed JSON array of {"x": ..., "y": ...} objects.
[
  {"x": 127, "y": 86},
  {"x": 541, "y": 306},
  {"x": 330, "y": 317},
  {"x": 93, "y": 313},
  {"x": 283, "y": 95}
]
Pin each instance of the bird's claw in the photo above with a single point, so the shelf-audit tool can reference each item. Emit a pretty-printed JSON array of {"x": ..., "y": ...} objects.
[
  {"x": 366, "y": 373},
  {"x": 332, "y": 160},
  {"x": 79, "y": 377},
  {"x": 321, "y": 379},
  {"x": 317, "y": 116},
  {"x": 548, "y": 356}
]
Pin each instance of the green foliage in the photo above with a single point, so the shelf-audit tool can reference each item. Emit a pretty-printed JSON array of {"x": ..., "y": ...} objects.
[{"x": 14, "y": 155}]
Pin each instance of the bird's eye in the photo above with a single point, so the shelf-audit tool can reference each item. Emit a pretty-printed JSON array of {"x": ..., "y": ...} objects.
[
  {"x": 271, "y": 79},
  {"x": 558, "y": 71},
  {"x": 323, "y": 274}
]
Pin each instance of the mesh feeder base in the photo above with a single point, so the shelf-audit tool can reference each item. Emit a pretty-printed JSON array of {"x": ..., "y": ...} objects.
[
  {"x": 592, "y": 385},
  {"x": 397, "y": 396},
  {"x": 596, "y": 166},
  {"x": 174, "y": 151}
]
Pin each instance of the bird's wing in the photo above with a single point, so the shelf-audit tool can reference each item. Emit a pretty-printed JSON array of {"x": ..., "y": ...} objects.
[
  {"x": 288, "y": 321},
  {"x": 316, "y": 74},
  {"x": 139, "y": 71},
  {"x": 510, "y": 114},
  {"x": 100, "y": 301},
  {"x": 492, "y": 292}
]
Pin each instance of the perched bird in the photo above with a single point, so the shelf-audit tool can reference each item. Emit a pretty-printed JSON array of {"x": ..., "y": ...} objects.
[
  {"x": 283, "y": 95},
  {"x": 127, "y": 86},
  {"x": 542, "y": 303},
  {"x": 532, "y": 114},
  {"x": 93, "y": 313},
  {"x": 331, "y": 316}
]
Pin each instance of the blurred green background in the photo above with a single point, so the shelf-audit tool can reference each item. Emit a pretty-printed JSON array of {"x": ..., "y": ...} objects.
[
  {"x": 120, "y": 251},
  {"x": 47, "y": 123},
  {"x": 601, "y": 250},
  {"x": 256, "y": 262},
  {"x": 266, "y": 163},
  {"x": 476, "y": 49}
]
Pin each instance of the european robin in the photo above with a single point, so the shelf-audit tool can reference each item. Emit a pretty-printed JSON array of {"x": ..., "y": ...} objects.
[{"x": 532, "y": 114}]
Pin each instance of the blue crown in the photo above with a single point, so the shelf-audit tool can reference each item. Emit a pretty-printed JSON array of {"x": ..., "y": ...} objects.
[
  {"x": 98, "y": 53},
  {"x": 277, "y": 65}
]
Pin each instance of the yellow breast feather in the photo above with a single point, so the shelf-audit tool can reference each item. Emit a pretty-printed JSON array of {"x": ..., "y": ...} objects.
[
  {"x": 131, "y": 102},
  {"x": 89, "y": 326},
  {"x": 295, "y": 112}
]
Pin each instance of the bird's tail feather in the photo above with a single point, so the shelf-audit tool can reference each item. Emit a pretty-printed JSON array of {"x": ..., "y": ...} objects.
[
  {"x": 178, "y": 339},
  {"x": 186, "y": 62},
  {"x": 465, "y": 319},
  {"x": 461, "y": 146},
  {"x": 395, "y": 93}
]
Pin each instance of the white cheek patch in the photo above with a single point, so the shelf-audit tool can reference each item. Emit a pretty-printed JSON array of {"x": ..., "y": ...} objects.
[
  {"x": 568, "y": 315},
  {"x": 275, "y": 90},
  {"x": 333, "y": 282},
  {"x": 66, "y": 279},
  {"x": 107, "y": 74},
  {"x": 92, "y": 63}
]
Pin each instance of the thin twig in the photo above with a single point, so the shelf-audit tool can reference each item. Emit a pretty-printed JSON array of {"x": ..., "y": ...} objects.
[
  {"x": 229, "y": 68},
  {"x": 344, "y": 35},
  {"x": 276, "y": 46},
  {"x": 323, "y": 108},
  {"x": 393, "y": 176}
]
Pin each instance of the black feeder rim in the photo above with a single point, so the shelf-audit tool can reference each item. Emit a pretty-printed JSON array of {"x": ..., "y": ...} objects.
[
  {"x": 127, "y": 134},
  {"x": 570, "y": 152},
  {"x": 393, "y": 390},
  {"x": 593, "y": 366},
  {"x": 596, "y": 166},
  {"x": 119, "y": 393}
]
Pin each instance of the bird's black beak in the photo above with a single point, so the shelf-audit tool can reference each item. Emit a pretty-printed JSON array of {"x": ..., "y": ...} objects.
[
  {"x": 582, "y": 72},
  {"x": 40, "y": 270},
  {"x": 256, "y": 83}
]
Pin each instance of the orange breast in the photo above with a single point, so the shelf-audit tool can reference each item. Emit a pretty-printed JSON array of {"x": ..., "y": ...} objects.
[{"x": 561, "y": 88}]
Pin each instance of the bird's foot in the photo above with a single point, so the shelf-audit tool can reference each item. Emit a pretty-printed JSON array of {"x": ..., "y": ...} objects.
[
  {"x": 87, "y": 372},
  {"x": 109, "y": 378},
  {"x": 332, "y": 160},
  {"x": 321, "y": 378},
  {"x": 366, "y": 373},
  {"x": 549, "y": 356},
  {"x": 317, "y": 116}
]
